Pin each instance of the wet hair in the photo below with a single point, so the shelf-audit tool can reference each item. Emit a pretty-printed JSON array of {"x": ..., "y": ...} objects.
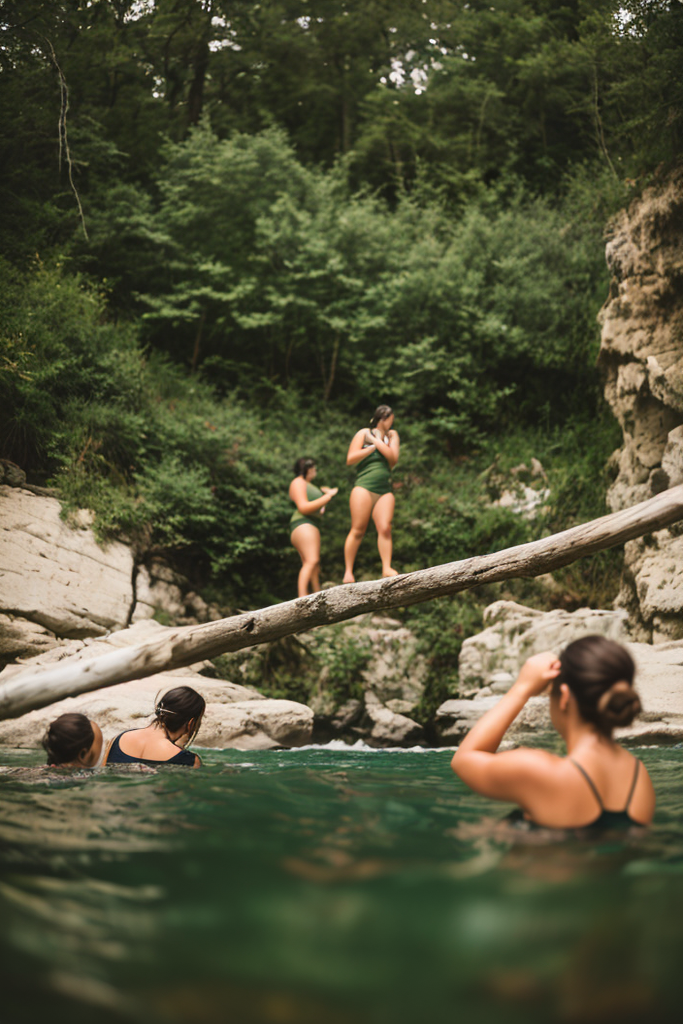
[
  {"x": 67, "y": 737},
  {"x": 302, "y": 466},
  {"x": 599, "y": 673},
  {"x": 381, "y": 413},
  {"x": 177, "y": 708}
]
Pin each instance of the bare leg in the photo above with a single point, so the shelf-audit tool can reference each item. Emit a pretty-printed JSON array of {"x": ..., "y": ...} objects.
[
  {"x": 306, "y": 540},
  {"x": 315, "y": 579},
  {"x": 361, "y": 504},
  {"x": 382, "y": 515}
]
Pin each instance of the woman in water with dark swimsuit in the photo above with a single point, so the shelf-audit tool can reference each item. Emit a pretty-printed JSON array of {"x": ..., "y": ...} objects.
[
  {"x": 375, "y": 453},
  {"x": 310, "y": 502},
  {"x": 598, "y": 784},
  {"x": 178, "y": 716}
]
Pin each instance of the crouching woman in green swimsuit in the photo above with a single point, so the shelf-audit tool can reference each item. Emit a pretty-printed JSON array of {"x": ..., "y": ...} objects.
[
  {"x": 598, "y": 784},
  {"x": 375, "y": 453},
  {"x": 310, "y": 504}
]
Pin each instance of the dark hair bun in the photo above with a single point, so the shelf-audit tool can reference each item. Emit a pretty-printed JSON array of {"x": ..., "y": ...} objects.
[
  {"x": 66, "y": 737},
  {"x": 619, "y": 705},
  {"x": 600, "y": 673}
]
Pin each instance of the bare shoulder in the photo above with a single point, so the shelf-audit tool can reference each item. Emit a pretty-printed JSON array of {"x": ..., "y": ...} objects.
[
  {"x": 644, "y": 799},
  {"x": 197, "y": 761},
  {"x": 531, "y": 760},
  {"x": 358, "y": 438}
]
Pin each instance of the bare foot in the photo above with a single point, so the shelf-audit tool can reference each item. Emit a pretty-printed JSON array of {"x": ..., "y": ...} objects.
[
  {"x": 390, "y": 572},
  {"x": 349, "y": 578}
]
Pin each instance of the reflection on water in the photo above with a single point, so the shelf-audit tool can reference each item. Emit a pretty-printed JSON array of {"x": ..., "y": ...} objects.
[{"x": 325, "y": 886}]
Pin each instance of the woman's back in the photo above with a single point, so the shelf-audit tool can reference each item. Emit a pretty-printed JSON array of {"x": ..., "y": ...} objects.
[
  {"x": 148, "y": 745},
  {"x": 599, "y": 782},
  {"x": 606, "y": 788},
  {"x": 178, "y": 716}
]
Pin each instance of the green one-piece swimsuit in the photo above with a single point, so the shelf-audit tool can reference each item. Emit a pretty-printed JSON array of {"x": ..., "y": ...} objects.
[
  {"x": 374, "y": 474},
  {"x": 298, "y": 518}
]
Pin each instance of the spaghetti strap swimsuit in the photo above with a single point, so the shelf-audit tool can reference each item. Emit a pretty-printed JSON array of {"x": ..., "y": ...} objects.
[
  {"x": 117, "y": 756},
  {"x": 298, "y": 518},
  {"x": 604, "y": 821},
  {"x": 611, "y": 819}
]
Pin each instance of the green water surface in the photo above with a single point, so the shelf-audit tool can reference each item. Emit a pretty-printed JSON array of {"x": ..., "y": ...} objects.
[{"x": 325, "y": 885}]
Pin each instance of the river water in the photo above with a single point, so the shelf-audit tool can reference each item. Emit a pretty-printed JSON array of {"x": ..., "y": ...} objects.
[{"x": 325, "y": 886}]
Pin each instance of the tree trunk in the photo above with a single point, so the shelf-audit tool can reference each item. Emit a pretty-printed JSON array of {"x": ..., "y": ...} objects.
[{"x": 188, "y": 644}]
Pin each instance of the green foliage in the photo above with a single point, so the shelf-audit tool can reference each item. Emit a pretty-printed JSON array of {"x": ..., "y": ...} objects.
[
  {"x": 343, "y": 656},
  {"x": 441, "y": 626},
  {"x": 295, "y": 211}
]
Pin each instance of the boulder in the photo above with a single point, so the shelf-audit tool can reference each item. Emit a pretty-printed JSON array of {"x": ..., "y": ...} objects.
[
  {"x": 514, "y": 633},
  {"x": 382, "y": 727},
  {"x": 236, "y": 716},
  {"x": 455, "y": 718},
  {"x": 21, "y": 638},
  {"x": 338, "y": 665}
]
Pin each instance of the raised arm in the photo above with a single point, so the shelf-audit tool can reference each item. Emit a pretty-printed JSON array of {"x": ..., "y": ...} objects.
[
  {"x": 299, "y": 495},
  {"x": 510, "y": 775},
  {"x": 389, "y": 450}
]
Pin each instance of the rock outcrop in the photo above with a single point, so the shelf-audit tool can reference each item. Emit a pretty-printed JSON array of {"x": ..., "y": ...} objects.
[
  {"x": 236, "y": 716},
  {"x": 641, "y": 357},
  {"x": 490, "y": 661},
  {"x": 366, "y": 678},
  {"x": 57, "y": 582},
  {"x": 56, "y": 576}
]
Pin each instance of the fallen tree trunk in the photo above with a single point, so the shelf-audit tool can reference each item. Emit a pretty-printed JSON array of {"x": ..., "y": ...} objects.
[{"x": 187, "y": 644}]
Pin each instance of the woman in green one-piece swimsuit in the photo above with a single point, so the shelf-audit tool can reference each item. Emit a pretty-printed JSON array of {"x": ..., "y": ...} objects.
[
  {"x": 375, "y": 453},
  {"x": 310, "y": 504}
]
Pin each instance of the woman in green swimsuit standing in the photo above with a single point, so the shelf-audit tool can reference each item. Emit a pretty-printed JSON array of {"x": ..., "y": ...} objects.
[
  {"x": 310, "y": 504},
  {"x": 375, "y": 453}
]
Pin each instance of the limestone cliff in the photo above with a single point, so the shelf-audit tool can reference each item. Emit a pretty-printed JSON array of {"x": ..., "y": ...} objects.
[
  {"x": 58, "y": 583},
  {"x": 641, "y": 357}
]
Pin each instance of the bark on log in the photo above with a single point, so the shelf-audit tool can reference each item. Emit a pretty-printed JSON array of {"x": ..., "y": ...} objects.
[{"x": 188, "y": 644}]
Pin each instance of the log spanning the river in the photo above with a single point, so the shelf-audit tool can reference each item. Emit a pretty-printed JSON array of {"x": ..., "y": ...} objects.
[{"x": 188, "y": 644}]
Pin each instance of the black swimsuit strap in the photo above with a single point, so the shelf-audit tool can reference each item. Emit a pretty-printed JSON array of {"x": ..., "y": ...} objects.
[
  {"x": 633, "y": 785},
  {"x": 594, "y": 788},
  {"x": 590, "y": 782}
]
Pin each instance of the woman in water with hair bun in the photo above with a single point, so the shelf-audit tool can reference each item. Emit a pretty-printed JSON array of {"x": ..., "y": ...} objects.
[
  {"x": 310, "y": 504},
  {"x": 177, "y": 718},
  {"x": 374, "y": 452},
  {"x": 73, "y": 741},
  {"x": 598, "y": 784}
]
